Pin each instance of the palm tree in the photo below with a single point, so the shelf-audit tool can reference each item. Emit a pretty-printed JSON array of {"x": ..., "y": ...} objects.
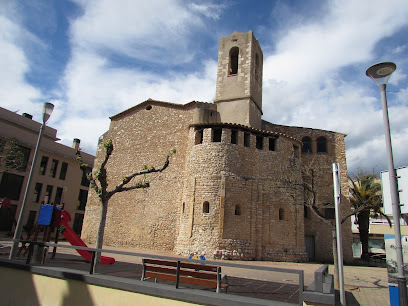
[{"x": 366, "y": 199}]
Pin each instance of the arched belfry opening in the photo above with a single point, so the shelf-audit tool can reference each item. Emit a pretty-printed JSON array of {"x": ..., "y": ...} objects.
[{"x": 233, "y": 60}]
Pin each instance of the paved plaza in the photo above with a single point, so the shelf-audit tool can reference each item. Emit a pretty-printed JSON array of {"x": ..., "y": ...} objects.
[{"x": 364, "y": 285}]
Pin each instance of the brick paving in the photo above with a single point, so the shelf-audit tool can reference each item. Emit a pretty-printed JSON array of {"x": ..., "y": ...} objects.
[{"x": 364, "y": 285}]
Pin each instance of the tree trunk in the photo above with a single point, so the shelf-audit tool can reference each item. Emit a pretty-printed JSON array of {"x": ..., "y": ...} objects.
[
  {"x": 100, "y": 234},
  {"x": 363, "y": 219}
]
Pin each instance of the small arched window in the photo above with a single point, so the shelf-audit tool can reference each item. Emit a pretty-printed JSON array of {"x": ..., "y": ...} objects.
[
  {"x": 206, "y": 207},
  {"x": 306, "y": 144},
  {"x": 234, "y": 137},
  {"x": 281, "y": 214},
  {"x": 198, "y": 136},
  {"x": 233, "y": 64},
  {"x": 321, "y": 144},
  {"x": 237, "y": 211},
  {"x": 184, "y": 207},
  {"x": 217, "y": 133}
]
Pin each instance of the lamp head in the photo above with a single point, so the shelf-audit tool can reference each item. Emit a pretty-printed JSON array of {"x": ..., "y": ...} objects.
[
  {"x": 47, "y": 111},
  {"x": 381, "y": 72}
]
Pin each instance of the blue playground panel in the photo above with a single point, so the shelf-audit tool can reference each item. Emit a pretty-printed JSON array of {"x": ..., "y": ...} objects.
[
  {"x": 394, "y": 299},
  {"x": 45, "y": 215}
]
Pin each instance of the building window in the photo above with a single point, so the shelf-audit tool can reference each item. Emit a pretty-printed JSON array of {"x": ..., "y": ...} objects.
[
  {"x": 78, "y": 221},
  {"x": 321, "y": 144},
  {"x": 237, "y": 211},
  {"x": 217, "y": 132},
  {"x": 11, "y": 185},
  {"x": 54, "y": 166},
  {"x": 184, "y": 207},
  {"x": 281, "y": 214},
  {"x": 63, "y": 173},
  {"x": 329, "y": 213},
  {"x": 307, "y": 145},
  {"x": 233, "y": 68},
  {"x": 272, "y": 144},
  {"x": 82, "y": 198},
  {"x": 43, "y": 165},
  {"x": 206, "y": 207},
  {"x": 306, "y": 211},
  {"x": 58, "y": 195},
  {"x": 84, "y": 180},
  {"x": 198, "y": 136},
  {"x": 234, "y": 137},
  {"x": 259, "y": 142},
  {"x": 37, "y": 192},
  {"x": 48, "y": 192},
  {"x": 295, "y": 151},
  {"x": 247, "y": 139}
]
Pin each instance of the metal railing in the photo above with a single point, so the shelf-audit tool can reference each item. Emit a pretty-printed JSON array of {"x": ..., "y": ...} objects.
[{"x": 94, "y": 251}]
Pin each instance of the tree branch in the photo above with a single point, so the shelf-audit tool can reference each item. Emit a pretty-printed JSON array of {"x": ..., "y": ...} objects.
[{"x": 120, "y": 187}]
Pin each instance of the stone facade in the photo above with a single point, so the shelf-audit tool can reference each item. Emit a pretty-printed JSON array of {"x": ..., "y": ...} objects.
[{"x": 234, "y": 187}]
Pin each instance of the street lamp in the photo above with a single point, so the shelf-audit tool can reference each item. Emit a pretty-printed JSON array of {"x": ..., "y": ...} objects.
[
  {"x": 381, "y": 73},
  {"x": 46, "y": 113}
]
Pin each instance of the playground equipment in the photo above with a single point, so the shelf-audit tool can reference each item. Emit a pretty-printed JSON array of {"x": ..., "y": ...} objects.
[
  {"x": 75, "y": 240},
  {"x": 52, "y": 216}
]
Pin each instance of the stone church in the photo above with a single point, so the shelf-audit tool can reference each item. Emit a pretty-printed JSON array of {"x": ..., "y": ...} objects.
[{"x": 234, "y": 189}]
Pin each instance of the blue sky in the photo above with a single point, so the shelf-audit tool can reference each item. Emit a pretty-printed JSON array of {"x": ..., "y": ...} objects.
[{"x": 94, "y": 59}]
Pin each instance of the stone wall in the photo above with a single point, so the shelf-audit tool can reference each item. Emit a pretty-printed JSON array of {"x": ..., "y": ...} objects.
[
  {"x": 245, "y": 186},
  {"x": 241, "y": 200},
  {"x": 321, "y": 163},
  {"x": 144, "y": 218}
]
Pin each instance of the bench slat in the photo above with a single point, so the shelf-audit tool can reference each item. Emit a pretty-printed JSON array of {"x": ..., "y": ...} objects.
[
  {"x": 190, "y": 265},
  {"x": 160, "y": 276},
  {"x": 198, "y": 274},
  {"x": 183, "y": 272},
  {"x": 161, "y": 269},
  {"x": 198, "y": 281},
  {"x": 160, "y": 262}
]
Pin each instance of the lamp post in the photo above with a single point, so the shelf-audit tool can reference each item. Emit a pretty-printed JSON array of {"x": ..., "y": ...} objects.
[
  {"x": 46, "y": 113},
  {"x": 380, "y": 73}
]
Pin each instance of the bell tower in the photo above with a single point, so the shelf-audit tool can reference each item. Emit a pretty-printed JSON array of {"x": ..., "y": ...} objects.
[{"x": 239, "y": 80}]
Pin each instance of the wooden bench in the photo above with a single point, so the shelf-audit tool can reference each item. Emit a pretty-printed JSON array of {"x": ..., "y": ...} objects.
[{"x": 184, "y": 272}]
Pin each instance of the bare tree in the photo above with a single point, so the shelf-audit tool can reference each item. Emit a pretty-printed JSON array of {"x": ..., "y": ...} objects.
[
  {"x": 306, "y": 191},
  {"x": 12, "y": 155},
  {"x": 99, "y": 183}
]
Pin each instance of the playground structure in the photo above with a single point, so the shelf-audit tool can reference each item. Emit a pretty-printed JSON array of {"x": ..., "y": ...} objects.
[{"x": 51, "y": 217}]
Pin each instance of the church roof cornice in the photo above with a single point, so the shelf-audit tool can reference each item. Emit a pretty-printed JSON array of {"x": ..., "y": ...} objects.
[
  {"x": 244, "y": 128},
  {"x": 155, "y": 102},
  {"x": 305, "y": 128}
]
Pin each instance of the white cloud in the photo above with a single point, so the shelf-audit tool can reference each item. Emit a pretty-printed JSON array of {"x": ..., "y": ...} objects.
[
  {"x": 303, "y": 80},
  {"x": 209, "y": 10},
  {"x": 15, "y": 93},
  {"x": 303, "y": 85},
  {"x": 95, "y": 91},
  {"x": 154, "y": 31}
]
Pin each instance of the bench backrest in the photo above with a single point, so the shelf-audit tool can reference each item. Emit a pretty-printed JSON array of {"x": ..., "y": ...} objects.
[{"x": 200, "y": 274}]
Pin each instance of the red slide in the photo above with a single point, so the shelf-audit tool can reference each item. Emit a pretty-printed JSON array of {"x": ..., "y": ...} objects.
[{"x": 75, "y": 240}]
